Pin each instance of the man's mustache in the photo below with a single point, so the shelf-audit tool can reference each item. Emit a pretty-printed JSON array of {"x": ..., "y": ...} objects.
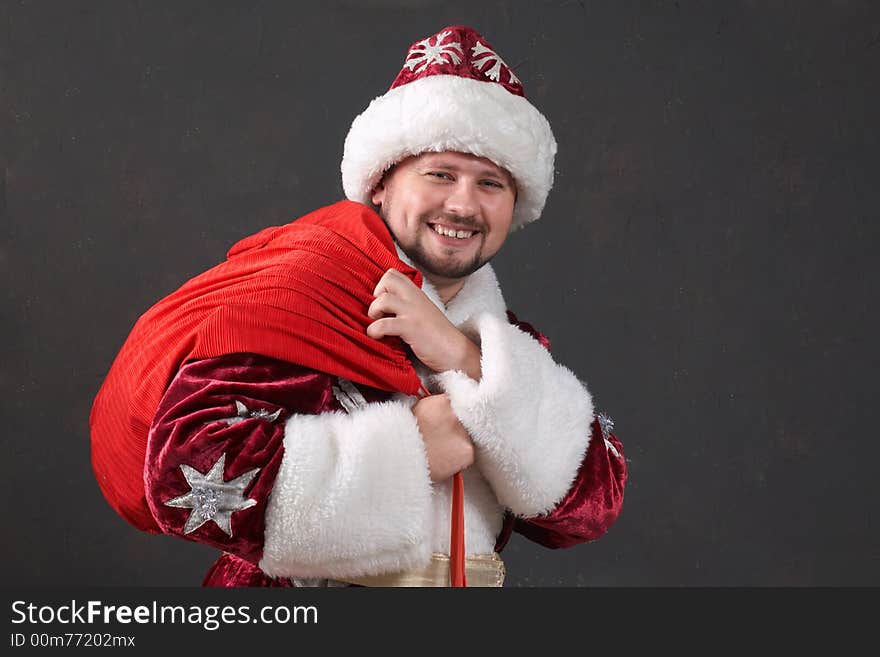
[{"x": 457, "y": 220}]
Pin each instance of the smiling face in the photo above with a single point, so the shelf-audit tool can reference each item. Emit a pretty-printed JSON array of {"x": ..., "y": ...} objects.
[{"x": 449, "y": 212}]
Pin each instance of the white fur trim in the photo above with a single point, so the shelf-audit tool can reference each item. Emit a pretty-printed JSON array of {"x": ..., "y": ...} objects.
[
  {"x": 483, "y": 515},
  {"x": 352, "y": 496},
  {"x": 528, "y": 416},
  {"x": 451, "y": 113},
  {"x": 480, "y": 294}
]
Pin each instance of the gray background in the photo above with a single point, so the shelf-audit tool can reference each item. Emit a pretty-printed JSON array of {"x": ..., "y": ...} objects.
[{"x": 703, "y": 263}]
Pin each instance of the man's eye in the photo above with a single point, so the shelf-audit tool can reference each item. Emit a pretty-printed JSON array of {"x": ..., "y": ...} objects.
[
  {"x": 440, "y": 174},
  {"x": 493, "y": 183}
]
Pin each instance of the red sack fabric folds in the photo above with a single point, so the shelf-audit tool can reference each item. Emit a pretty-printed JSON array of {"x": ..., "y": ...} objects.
[{"x": 297, "y": 292}]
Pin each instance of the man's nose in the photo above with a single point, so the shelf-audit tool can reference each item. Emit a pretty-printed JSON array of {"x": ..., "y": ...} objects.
[{"x": 462, "y": 200}]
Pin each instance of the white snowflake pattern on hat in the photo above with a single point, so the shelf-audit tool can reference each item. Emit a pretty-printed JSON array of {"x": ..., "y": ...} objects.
[
  {"x": 483, "y": 55},
  {"x": 426, "y": 54}
]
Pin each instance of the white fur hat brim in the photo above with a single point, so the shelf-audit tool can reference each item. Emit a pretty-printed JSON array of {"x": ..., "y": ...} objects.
[{"x": 452, "y": 113}]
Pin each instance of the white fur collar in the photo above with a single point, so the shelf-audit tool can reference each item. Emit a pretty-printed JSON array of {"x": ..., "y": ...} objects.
[{"x": 480, "y": 293}]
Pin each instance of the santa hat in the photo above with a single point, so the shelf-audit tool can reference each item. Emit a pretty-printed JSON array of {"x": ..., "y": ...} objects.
[{"x": 454, "y": 93}]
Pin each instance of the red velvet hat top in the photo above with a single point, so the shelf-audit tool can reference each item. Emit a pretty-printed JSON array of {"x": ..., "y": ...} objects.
[{"x": 461, "y": 51}]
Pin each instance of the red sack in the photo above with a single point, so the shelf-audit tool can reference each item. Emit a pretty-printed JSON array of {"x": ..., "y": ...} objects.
[{"x": 297, "y": 292}]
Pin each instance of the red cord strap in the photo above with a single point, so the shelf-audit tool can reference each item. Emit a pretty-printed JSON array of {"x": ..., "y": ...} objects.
[
  {"x": 456, "y": 538},
  {"x": 457, "y": 576}
]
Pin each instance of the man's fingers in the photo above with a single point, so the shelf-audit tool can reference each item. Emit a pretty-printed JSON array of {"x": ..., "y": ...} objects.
[
  {"x": 392, "y": 281},
  {"x": 384, "y": 304},
  {"x": 386, "y": 283},
  {"x": 382, "y": 327}
]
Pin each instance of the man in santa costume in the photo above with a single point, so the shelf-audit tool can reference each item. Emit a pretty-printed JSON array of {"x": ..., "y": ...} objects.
[{"x": 347, "y": 399}]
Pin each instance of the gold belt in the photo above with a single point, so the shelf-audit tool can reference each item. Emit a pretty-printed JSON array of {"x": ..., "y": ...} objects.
[{"x": 480, "y": 570}]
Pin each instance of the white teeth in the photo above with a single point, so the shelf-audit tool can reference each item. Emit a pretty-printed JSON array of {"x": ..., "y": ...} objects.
[{"x": 448, "y": 232}]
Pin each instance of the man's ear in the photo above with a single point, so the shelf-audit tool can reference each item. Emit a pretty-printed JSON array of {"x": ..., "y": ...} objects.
[{"x": 379, "y": 193}]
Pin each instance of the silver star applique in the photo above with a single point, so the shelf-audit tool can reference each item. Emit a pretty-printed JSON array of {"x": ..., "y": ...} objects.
[
  {"x": 243, "y": 414},
  {"x": 607, "y": 424},
  {"x": 211, "y": 498}
]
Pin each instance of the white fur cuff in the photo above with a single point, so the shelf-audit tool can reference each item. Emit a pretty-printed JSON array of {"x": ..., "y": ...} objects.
[
  {"x": 352, "y": 496},
  {"x": 529, "y": 417}
]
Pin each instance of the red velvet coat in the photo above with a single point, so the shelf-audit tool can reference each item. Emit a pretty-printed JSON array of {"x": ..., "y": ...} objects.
[{"x": 199, "y": 420}]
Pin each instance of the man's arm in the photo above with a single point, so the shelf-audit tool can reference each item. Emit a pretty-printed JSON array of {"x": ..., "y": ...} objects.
[
  {"x": 528, "y": 416},
  {"x": 538, "y": 441},
  {"x": 591, "y": 505},
  {"x": 303, "y": 488}
]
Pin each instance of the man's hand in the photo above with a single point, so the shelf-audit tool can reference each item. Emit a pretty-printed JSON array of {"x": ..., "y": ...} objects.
[
  {"x": 447, "y": 443},
  {"x": 402, "y": 309}
]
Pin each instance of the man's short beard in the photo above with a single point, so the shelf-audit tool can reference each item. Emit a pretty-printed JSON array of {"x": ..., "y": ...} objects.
[
  {"x": 420, "y": 259},
  {"x": 452, "y": 270}
]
